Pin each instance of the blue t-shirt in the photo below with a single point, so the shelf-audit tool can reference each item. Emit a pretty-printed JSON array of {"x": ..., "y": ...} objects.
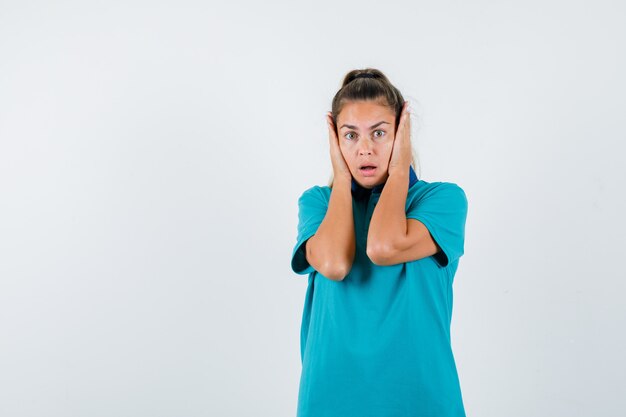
[{"x": 377, "y": 343}]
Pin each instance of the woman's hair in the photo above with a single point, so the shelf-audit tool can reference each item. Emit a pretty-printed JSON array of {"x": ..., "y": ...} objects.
[{"x": 376, "y": 87}]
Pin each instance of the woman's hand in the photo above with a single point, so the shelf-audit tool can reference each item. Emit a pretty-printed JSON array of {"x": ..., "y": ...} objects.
[
  {"x": 340, "y": 167},
  {"x": 401, "y": 155}
]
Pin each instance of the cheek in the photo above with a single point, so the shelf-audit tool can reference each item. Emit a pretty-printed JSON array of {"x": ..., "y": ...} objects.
[
  {"x": 345, "y": 152},
  {"x": 388, "y": 147},
  {"x": 385, "y": 153}
]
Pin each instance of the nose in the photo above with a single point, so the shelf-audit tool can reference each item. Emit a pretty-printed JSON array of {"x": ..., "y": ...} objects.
[{"x": 365, "y": 147}]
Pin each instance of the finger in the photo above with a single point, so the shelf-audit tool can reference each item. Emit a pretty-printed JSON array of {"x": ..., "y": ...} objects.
[
  {"x": 331, "y": 133},
  {"x": 408, "y": 119},
  {"x": 331, "y": 128},
  {"x": 332, "y": 136},
  {"x": 401, "y": 124},
  {"x": 407, "y": 116}
]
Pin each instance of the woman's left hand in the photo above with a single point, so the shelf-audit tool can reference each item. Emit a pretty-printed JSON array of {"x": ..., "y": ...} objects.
[{"x": 401, "y": 154}]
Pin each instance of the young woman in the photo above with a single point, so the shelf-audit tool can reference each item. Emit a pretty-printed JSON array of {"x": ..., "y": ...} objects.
[{"x": 381, "y": 248}]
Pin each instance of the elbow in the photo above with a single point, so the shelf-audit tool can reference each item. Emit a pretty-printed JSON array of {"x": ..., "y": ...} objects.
[
  {"x": 379, "y": 253},
  {"x": 336, "y": 271},
  {"x": 333, "y": 267}
]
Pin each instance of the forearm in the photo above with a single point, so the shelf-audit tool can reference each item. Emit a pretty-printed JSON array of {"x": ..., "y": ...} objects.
[
  {"x": 331, "y": 250},
  {"x": 388, "y": 225}
]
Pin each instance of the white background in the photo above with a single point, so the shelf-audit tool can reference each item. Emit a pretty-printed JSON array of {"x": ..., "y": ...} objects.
[{"x": 152, "y": 155}]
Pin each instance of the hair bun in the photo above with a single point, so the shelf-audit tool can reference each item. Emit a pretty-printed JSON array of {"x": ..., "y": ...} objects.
[{"x": 365, "y": 75}]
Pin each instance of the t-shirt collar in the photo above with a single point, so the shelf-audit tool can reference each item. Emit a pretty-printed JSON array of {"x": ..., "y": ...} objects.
[{"x": 360, "y": 192}]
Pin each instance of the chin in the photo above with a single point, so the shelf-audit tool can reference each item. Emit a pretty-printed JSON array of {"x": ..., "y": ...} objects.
[{"x": 369, "y": 182}]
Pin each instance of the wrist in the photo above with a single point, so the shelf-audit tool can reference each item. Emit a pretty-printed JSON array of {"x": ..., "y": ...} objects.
[
  {"x": 399, "y": 173},
  {"x": 342, "y": 181}
]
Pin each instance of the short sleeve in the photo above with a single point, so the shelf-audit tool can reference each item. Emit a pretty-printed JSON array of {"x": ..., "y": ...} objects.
[
  {"x": 443, "y": 210},
  {"x": 312, "y": 207}
]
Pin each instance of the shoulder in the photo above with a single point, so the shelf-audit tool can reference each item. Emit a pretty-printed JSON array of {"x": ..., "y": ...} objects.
[
  {"x": 422, "y": 190},
  {"x": 316, "y": 192}
]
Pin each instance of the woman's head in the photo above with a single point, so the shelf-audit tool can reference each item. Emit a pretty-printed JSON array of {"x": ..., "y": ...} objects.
[{"x": 366, "y": 112}]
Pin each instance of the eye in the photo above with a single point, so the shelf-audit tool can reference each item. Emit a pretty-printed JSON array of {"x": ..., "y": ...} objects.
[
  {"x": 346, "y": 135},
  {"x": 382, "y": 131}
]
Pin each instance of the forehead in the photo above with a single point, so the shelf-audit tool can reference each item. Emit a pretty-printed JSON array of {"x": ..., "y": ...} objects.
[{"x": 364, "y": 113}]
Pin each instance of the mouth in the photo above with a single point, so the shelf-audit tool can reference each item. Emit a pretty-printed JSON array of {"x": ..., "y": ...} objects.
[{"x": 367, "y": 169}]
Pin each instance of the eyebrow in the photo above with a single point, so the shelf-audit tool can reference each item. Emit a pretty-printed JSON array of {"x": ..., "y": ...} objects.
[{"x": 371, "y": 127}]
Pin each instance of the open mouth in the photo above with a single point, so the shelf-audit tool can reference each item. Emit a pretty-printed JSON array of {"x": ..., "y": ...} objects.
[{"x": 367, "y": 169}]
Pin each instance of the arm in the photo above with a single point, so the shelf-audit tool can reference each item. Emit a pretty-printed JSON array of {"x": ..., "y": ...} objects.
[
  {"x": 331, "y": 249},
  {"x": 392, "y": 238}
]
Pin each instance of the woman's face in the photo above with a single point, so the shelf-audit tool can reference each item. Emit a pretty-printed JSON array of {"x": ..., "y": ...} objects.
[{"x": 366, "y": 132}]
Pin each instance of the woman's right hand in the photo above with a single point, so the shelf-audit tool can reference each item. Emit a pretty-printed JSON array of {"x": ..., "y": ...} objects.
[{"x": 340, "y": 167}]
